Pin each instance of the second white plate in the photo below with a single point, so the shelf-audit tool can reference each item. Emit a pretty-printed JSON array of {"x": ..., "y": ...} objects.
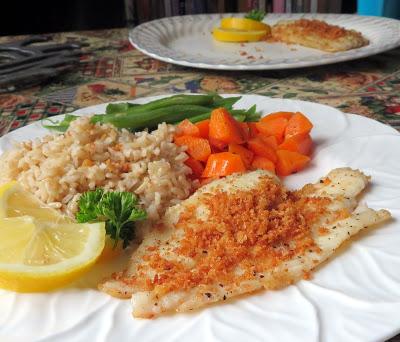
[{"x": 187, "y": 40}]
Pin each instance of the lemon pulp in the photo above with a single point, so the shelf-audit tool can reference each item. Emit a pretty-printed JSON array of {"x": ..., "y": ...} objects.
[{"x": 41, "y": 249}]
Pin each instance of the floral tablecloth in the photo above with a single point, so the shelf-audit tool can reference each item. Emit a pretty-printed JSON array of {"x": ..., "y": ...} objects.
[{"x": 113, "y": 70}]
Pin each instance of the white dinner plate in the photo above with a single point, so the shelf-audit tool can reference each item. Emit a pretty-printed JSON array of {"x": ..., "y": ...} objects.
[
  {"x": 353, "y": 297},
  {"x": 187, "y": 40}
]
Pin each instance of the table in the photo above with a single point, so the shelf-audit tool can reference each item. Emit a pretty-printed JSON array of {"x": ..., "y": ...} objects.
[{"x": 113, "y": 70}]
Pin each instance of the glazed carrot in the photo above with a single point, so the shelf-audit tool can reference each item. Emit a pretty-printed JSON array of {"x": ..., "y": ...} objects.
[
  {"x": 244, "y": 153},
  {"x": 223, "y": 164},
  {"x": 271, "y": 141},
  {"x": 300, "y": 143},
  {"x": 298, "y": 124},
  {"x": 217, "y": 145},
  {"x": 253, "y": 131},
  {"x": 245, "y": 130},
  {"x": 272, "y": 116},
  {"x": 263, "y": 163},
  {"x": 198, "y": 148},
  {"x": 196, "y": 166},
  {"x": 289, "y": 162},
  {"x": 203, "y": 127},
  {"x": 224, "y": 127},
  {"x": 260, "y": 148},
  {"x": 275, "y": 127},
  {"x": 185, "y": 127}
]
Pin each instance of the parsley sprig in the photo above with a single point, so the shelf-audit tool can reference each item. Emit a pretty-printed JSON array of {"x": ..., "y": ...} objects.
[
  {"x": 256, "y": 15},
  {"x": 119, "y": 210}
]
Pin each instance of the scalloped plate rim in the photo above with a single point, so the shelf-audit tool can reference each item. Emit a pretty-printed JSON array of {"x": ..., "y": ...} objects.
[
  {"x": 107, "y": 307},
  {"x": 327, "y": 59}
]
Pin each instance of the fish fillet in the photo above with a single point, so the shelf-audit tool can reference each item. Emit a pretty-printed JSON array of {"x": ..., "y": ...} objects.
[
  {"x": 238, "y": 235},
  {"x": 317, "y": 34}
]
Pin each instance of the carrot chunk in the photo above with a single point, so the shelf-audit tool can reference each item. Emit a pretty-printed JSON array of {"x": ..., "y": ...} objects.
[
  {"x": 245, "y": 130},
  {"x": 203, "y": 127},
  {"x": 262, "y": 149},
  {"x": 275, "y": 127},
  {"x": 289, "y": 162},
  {"x": 298, "y": 124},
  {"x": 273, "y": 116},
  {"x": 253, "y": 131},
  {"x": 300, "y": 143},
  {"x": 198, "y": 148},
  {"x": 185, "y": 127},
  {"x": 224, "y": 127},
  {"x": 243, "y": 152},
  {"x": 263, "y": 163},
  {"x": 271, "y": 141},
  {"x": 217, "y": 145},
  {"x": 223, "y": 164},
  {"x": 196, "y": 166}
]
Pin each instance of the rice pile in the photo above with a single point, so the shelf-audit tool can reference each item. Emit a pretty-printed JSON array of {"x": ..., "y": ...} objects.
[{"x": 58, "y": 168}]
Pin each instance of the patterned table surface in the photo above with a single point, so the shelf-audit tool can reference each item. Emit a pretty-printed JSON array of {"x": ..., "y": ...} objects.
[{"x": 113, "y": 70}]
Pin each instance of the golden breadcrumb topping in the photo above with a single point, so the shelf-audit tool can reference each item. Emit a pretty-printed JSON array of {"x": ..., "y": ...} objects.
[
  {"x": 245, "y": 233},
  {"x": 317, "y": 27},
  {"x": 317, "y": 34}
]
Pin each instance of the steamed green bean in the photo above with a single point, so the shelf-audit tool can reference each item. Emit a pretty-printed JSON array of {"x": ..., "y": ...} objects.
[{"x": 171, "y": 109}]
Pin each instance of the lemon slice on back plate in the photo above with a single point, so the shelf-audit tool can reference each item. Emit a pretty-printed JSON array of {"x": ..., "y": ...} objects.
[
  {"x": 244, "y": 24},
  {"x": 233, "y": 35},
  {"x": 40, "y": 249}
]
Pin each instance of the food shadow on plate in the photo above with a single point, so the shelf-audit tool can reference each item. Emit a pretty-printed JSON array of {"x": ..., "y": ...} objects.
[
  {"x": 103, "y": 269},
  {"x": 318, "y": 142}
]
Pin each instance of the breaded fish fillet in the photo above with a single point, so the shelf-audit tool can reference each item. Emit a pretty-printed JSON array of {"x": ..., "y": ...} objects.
[
  {"x": 238, "y": 235},
  {"x": 318, "y": 35}
]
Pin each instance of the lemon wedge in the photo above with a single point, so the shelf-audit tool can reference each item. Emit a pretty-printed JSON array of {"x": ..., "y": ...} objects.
[
  {"x": 233, "y": 35},
  {"x": 15, "y": 202},
  {"x": 40, "y": 249},
  {"x": 244, "y": 24}
]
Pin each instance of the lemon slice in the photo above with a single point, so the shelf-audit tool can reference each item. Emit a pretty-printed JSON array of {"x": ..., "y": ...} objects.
[
  {"x": 40, "y": 257},
  {"x": 42, "y": 250},
  {"x": 244, "y": 24},
  {"x": 14, "y": 202},
  {"x": 232, "y": 35}
]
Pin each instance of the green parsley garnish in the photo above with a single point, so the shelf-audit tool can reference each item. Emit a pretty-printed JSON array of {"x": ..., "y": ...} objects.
[
  {"x": 256, "y": 15},
  {"x": 119, "y": 210}
]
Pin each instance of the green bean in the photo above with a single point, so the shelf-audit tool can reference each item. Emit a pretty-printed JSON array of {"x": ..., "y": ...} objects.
[
  {"x": 200, "y": 100},
  {"x": 226, "y": 102},
  {"x": 240, "y": 117},
  {"x": 251, "y": 113},
  {"x": 238, "y": 114},
  {"x": 171, "y": 110},
  {"x": 113, "y": 108},
  {"x": 151, "y": 118},
  {"x": 61, "y": 126},
  {"x": 213, "y": 101},
  {"x": 200, "y": 117}
]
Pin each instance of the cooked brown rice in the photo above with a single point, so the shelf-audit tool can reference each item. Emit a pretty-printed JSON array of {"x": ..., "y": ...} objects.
[{"x": 59, "y": 167}]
